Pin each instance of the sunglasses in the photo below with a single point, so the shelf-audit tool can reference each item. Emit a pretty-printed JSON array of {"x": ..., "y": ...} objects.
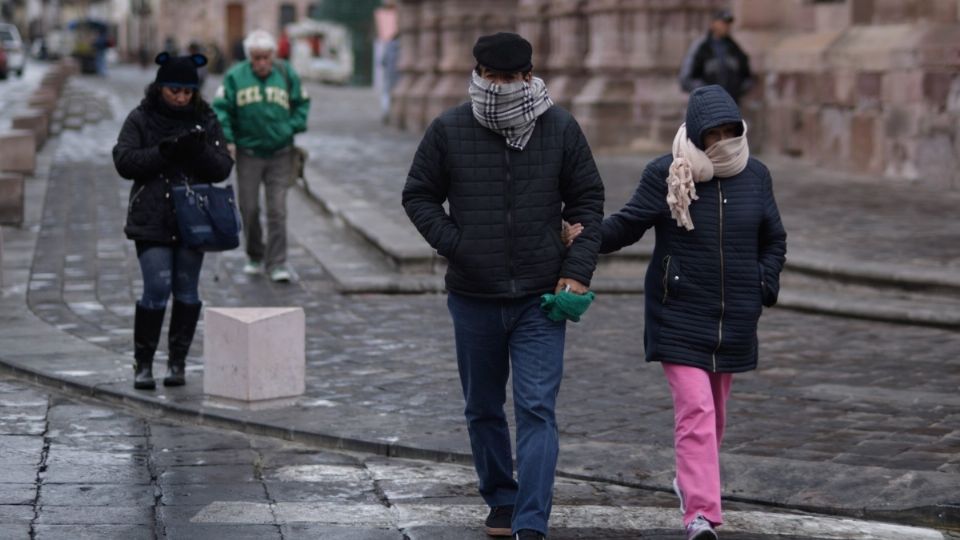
[{"x": 177, "y": 91}]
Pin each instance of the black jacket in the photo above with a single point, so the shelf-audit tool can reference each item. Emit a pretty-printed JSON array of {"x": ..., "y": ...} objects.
[
  {"x": 502, "y": 234},
  {"x": 150, "y": 215},
  {"x": 701, "y": 67},
  {"x": 705, "y": 288}
]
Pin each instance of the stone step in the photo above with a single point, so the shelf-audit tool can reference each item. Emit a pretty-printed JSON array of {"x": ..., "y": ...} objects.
[
  {"x": 398, "y": 241},
  {"x": 367, "y": 253}
]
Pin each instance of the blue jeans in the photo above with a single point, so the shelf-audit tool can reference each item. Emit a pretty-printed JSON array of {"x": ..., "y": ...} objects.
[
  {"x": 166, "y": 270},
  {"x": 492, "y": 336}
]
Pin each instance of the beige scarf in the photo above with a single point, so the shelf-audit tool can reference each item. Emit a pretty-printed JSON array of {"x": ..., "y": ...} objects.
[{"x": 690, "y": 165}]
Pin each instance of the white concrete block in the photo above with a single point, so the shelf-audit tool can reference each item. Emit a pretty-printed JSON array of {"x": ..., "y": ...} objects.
[{"x": 253, "y": 354}]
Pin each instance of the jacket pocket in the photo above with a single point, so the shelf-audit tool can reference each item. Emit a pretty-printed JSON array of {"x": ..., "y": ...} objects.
[
  {"x": 768, "y": 294},
  {"x": 672, "y": 277}
]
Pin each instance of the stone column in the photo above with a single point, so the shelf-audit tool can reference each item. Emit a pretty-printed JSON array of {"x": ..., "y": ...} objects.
[
  {"x": 461, "y": 23},
  {"x": 408, "y": 12},
  {"x": 567, "y": 35},
  {"x": 459, "y": 27},
  {"x": 532, "y": 24},
  {"x": 660, "y": 35},
  {"x": 607, "y": 99},
  {"x": 428, "y": 53}
]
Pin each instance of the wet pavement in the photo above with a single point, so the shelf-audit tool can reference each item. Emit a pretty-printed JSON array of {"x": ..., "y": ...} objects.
[
  {"x": 78, "y": 469},
  {"x": 849, "y": 417}
]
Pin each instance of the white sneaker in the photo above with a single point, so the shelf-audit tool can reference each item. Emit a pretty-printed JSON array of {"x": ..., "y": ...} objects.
[
  {"x": 701, "y": 529},
  {"x": 280, "y": 274},
  {"x": 252, "y": 267},
  {"x": 676, "y": 489}
]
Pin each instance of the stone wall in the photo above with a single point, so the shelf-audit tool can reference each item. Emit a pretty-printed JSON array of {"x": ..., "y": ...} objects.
[
  {"x": 859, "y": 85},
  {"x": 206, "y": 22}
]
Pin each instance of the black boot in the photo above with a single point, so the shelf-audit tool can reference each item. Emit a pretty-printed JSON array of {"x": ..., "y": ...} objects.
[
  {"x": 183, "y": 323},
  {"x": 147, "y": 324}
]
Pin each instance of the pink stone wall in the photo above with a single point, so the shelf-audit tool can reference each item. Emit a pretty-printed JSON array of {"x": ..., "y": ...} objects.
[
  {"x": 206, "y": 22},
  {"x": 860, "y": 85}
]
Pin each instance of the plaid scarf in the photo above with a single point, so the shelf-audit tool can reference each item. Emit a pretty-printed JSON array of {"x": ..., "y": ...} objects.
[{"x": 509, "y": 109}]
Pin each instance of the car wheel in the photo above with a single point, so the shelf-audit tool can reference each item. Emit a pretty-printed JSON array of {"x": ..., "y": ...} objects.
[{"x": 20, "y": 72}]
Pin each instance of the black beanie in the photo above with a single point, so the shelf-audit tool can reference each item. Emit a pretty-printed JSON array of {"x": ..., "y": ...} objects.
[
  {"x": 179, "y": 71},
  {"x": 504, "y": 52}
]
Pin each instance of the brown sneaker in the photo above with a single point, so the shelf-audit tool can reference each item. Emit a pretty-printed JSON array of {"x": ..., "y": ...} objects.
[{"x": 499, "y": 521}]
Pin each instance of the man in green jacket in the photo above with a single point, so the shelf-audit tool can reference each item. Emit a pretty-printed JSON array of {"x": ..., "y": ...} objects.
[{"x": 261, "y": 106}]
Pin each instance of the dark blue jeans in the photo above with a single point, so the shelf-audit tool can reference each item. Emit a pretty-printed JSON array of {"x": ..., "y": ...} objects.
[
  {"x": 492, "y": 337},
  {"x": 166, "y": 270}
]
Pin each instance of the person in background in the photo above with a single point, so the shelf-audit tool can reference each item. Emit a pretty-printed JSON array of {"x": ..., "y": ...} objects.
[
  {"x": 386, "y": 53},
  {"x": 717, "y": 59},
  {"x": 172, "y": 137},
  {"x": 262, "y": 105},
  {"x": 283, "y": 46},
  {"x": 170, "y": 46},
  {"x": 720, "y": 247}
]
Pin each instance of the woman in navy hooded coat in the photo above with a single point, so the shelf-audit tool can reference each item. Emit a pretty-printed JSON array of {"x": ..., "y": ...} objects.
[{"x": 720, "y": 247}]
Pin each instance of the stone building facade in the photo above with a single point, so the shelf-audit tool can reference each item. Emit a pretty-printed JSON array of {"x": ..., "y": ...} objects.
[
  {"x": 859, "y": 85},
  {"x": 148, "y": 24}
]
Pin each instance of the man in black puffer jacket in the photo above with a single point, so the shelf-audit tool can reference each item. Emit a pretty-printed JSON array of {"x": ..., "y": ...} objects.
[
  {"x": 716, "y": 58},
  {"x": 512, "y": 166}
]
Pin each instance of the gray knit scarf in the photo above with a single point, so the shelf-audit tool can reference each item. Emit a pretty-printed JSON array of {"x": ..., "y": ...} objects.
[{"x": 509, "y": 109}]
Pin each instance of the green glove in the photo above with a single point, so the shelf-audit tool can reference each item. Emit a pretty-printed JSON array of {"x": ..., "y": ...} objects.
[{"x": 566, "y": 305}]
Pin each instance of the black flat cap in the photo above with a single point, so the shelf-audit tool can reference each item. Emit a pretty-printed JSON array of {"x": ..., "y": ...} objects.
[{"x": 504, "y": 51}]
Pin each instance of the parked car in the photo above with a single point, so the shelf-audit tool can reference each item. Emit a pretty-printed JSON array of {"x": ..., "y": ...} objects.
[
  {"x": 3, "y": 64},
  {"x": 13, "y": 45}
]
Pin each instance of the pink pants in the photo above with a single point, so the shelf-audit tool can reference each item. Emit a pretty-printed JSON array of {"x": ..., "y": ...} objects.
[{"x": 699, "y": 409}]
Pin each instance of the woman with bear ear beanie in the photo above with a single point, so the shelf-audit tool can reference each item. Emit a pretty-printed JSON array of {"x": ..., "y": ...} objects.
[
  {"x": 719, "y": 250},
  {"x": 171, "y": 137}
]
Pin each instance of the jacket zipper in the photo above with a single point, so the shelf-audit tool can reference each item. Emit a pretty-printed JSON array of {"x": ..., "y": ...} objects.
[
  {"x": 137, "y": 194},
  {"x": 666, "y": 279},
  {"x": 508, "y": 195},
  {"x": 722, "y": 300}
]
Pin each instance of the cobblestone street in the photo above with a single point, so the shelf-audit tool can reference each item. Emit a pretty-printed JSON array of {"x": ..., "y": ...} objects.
[
  {"x": 80, "y": 470},
  {"x": 844, "y": 416}
]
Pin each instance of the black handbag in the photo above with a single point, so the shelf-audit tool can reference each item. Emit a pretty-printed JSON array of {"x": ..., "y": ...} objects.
[{"x": 207, "y": 216}]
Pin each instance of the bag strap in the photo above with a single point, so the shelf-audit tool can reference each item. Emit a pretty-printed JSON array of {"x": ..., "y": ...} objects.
[{"x": 282, "y": 66}]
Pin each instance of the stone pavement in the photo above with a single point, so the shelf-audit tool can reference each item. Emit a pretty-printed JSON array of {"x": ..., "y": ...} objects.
[
  {"x": 77, "y": 469},
  {"x": 845, "y": 416}
]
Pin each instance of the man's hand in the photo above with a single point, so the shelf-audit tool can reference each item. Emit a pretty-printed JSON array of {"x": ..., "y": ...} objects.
[
  {"x": 569, "y": 233},
  {"x": 574, "y": 286}
]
